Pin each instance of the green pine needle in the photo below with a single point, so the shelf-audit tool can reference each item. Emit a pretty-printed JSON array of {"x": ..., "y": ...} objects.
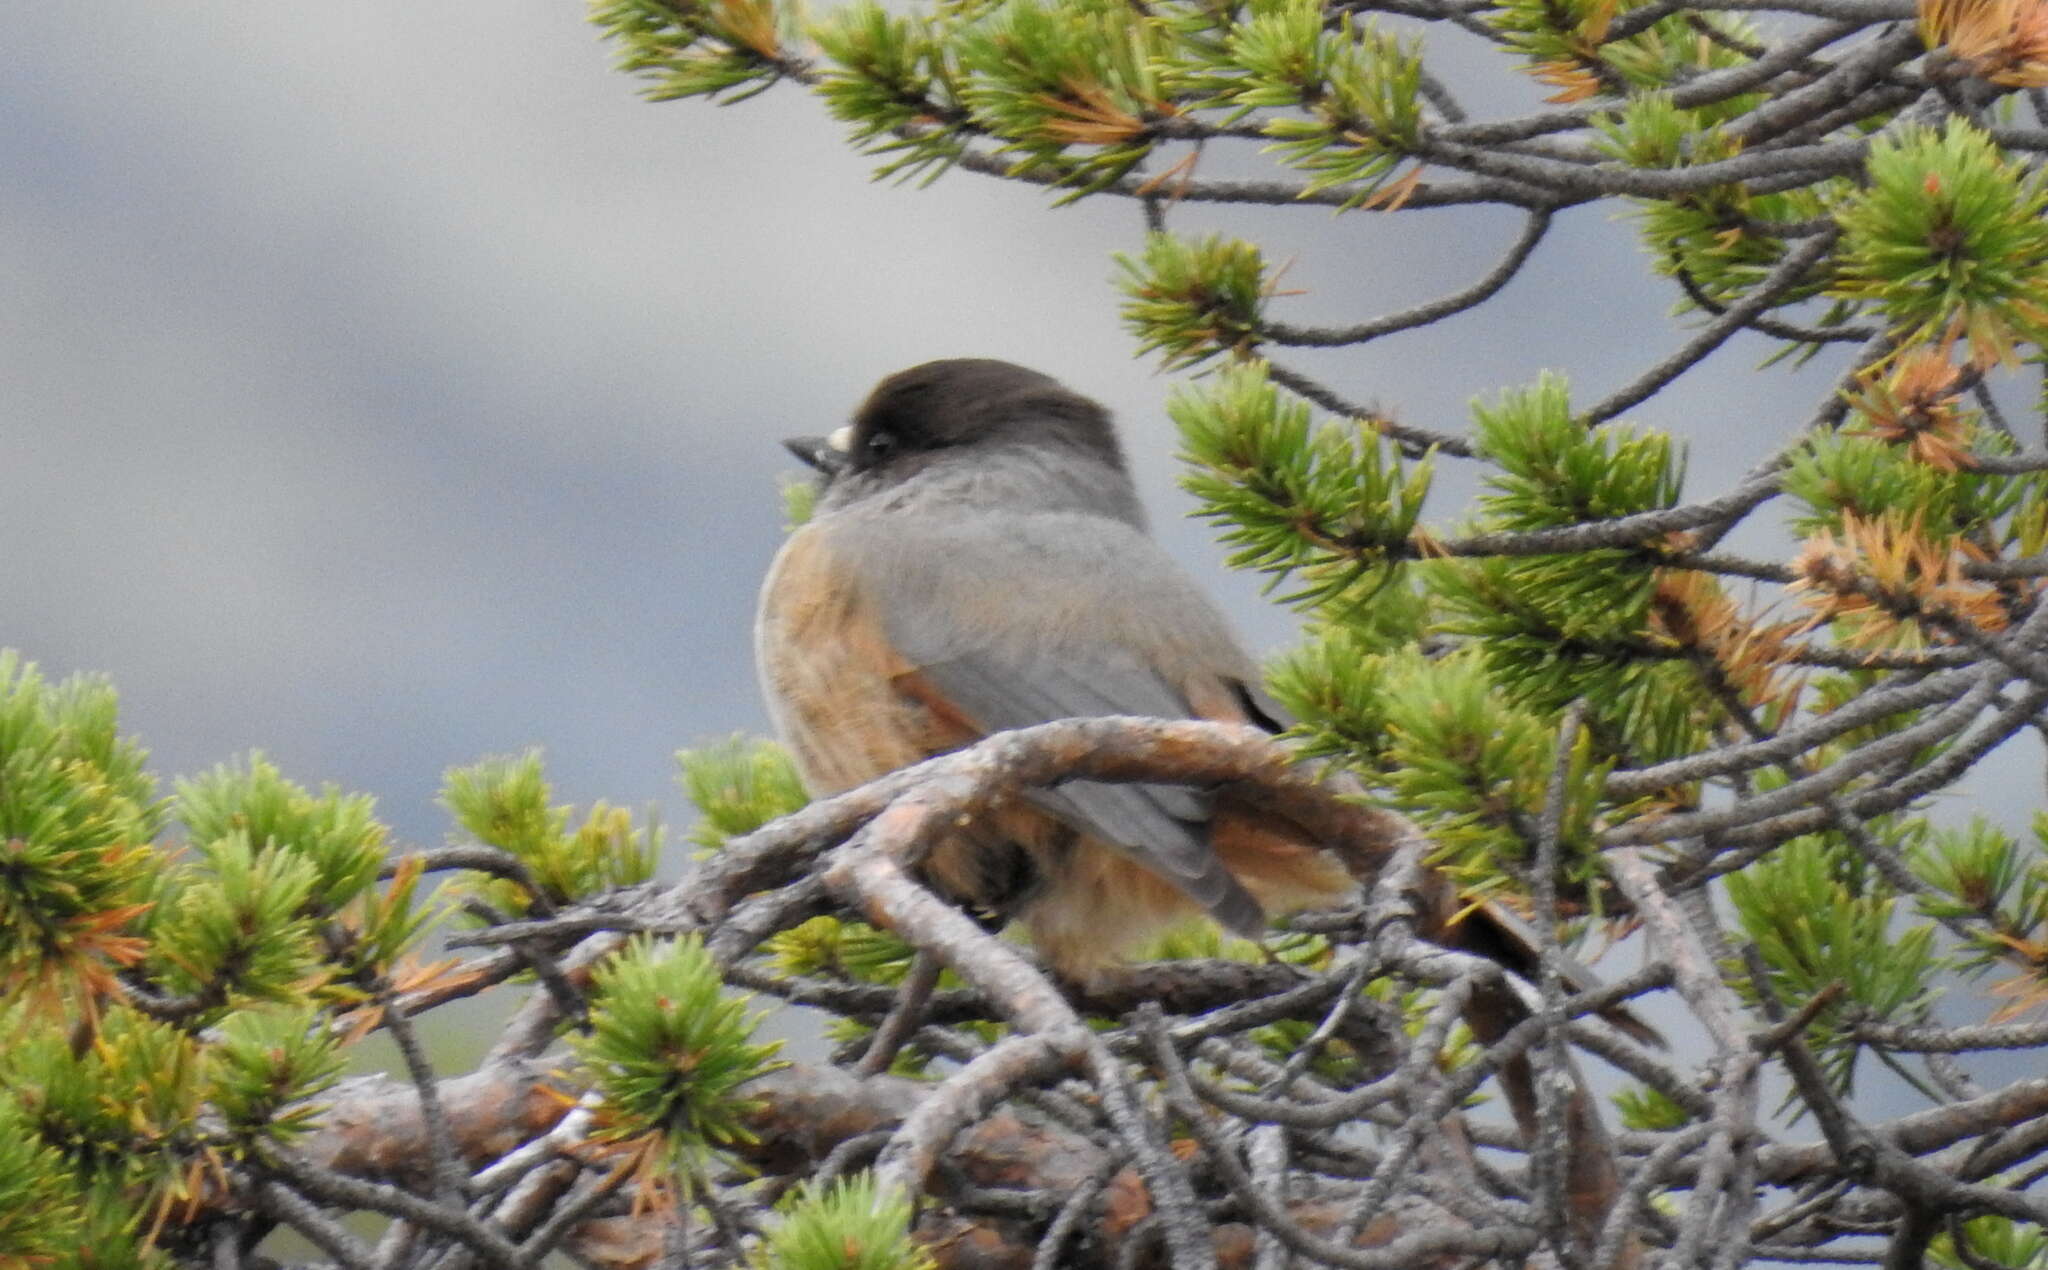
[
  {"x": 670, "y": 1051},
  {"x": 737, "y": 785},
  {"x": 1949, "y": 236},
  {"x": 850, "y": 1223}
]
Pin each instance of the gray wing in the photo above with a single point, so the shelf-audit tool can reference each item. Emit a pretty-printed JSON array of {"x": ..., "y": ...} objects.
[{"x": 1165, "y": 826}]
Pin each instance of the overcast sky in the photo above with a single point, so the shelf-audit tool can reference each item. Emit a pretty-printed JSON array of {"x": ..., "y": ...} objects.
[{"x": 387, "y": 385}]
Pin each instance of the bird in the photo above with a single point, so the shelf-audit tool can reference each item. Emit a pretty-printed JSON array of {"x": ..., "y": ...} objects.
[{"x": 977, "y": 560}]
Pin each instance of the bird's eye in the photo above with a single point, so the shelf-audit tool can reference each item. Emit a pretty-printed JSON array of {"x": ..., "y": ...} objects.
[{"x": 880, "y": 446}]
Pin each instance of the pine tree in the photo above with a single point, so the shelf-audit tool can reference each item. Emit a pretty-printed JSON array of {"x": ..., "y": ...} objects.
[{"x": 1566, "y": 699}]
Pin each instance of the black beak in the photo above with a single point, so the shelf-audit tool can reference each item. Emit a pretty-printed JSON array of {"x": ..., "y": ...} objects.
[{"x": 816, "y": 452}]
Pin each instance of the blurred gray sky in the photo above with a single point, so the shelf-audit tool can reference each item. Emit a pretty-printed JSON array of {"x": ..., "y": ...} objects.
[{"x": 386, "y": 385}]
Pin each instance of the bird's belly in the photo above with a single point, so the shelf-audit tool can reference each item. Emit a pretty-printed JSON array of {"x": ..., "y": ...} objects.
[{"x": 830, "y": 677}]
